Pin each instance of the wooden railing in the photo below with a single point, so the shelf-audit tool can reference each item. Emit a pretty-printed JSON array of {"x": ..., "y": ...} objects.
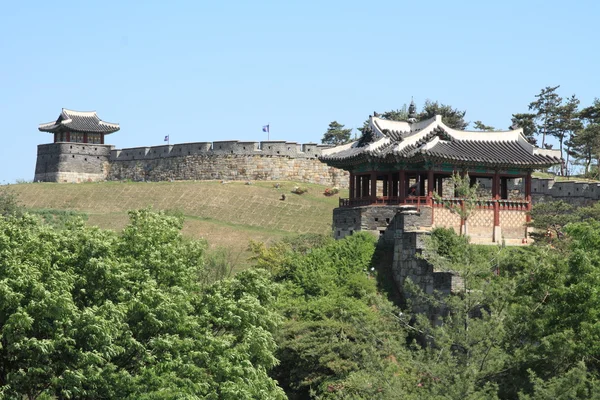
[{"x": 483, "y": 204}]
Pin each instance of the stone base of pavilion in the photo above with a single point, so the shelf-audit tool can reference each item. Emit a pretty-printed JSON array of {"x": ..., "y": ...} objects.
[{"x": 492, "y": 221}]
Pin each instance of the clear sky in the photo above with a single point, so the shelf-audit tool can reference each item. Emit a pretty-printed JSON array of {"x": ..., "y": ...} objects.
[{"x": 220, "y": 70}]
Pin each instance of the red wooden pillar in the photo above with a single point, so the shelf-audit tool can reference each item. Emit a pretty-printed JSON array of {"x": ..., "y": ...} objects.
[
  {"x": 430, "y": 183},
  {"x": 495, "y": 195},
  {"x": 528, "y": 194},
  {"x": 373, "y": 187},
  {"x": 401, "y": 186},
  {"x": 85, "y": 138},
  {"x": 68, "y": 138},
  {"x": 102, "y": 138}
]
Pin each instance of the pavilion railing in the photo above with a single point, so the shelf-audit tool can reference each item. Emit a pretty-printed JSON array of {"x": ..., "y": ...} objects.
[{"x": 483, "y": 204}]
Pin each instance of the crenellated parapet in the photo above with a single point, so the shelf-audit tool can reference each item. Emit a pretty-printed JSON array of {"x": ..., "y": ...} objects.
[{"x": 272, "y": 148}]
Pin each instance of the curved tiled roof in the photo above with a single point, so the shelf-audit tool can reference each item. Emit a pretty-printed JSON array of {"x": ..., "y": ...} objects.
[
  {"x": 79, "y": 121},
  {"x": 434, "y": 141}
]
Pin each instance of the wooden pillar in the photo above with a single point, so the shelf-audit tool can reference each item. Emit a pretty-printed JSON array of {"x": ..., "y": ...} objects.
[
  {"x": 351, "y": 186},
  {"x": 430, "y": 183},
  {"x": 102, "y": 138},
  {"x": 385, "y": 185},
  {"x": 422, "y": 185},
  {"x": 497, "y": 233},
  {"x": 85, "y": 138},
  {"x": 390, "y": 185},
  {"x": 373, "y": 187},
  {"x": 504, "y": 187},
  {"x": 395, "y": 178},
  {"x": 365, "y": 186},
  {"x": 528, "y": 194},
  {"x": 68, "y": 137},
  {"x": 401, "y": 186}
]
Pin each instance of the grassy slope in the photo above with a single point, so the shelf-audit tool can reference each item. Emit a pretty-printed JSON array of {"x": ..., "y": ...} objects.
[{"x": 226, "y": 215}]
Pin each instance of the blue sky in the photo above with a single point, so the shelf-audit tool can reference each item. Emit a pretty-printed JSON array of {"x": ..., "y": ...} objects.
[{"x": 204, "y": 71}]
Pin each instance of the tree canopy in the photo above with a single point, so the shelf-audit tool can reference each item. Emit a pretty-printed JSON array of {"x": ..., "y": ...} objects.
[
  {"x": 86, "y": 313},
  {"x": 336, "y": 134}
]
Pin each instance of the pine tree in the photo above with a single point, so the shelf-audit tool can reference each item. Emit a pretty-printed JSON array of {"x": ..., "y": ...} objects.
[
  {"x": 336, "y": 134},
  {"x": 546, "y": 107}
]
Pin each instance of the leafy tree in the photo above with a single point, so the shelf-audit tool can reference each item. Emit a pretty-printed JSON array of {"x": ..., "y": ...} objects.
[
  {"x": 336, "y": 134},
  {"x": 452, "y": 117},
  {"x": 584, "y": 143},
  {"x": 568, "y": 123},
  {"x": 527, "y": 123},
  {"x": 549, "y": 218},
  {"x": 467, "y": 199},
  {"x": 9, "y": 204},
  {"x": 86, "y": 313},
  {"x": 482, "y": 127},
  {"x": 340, "y": 338},
  {"x": 546, "y": 108}
]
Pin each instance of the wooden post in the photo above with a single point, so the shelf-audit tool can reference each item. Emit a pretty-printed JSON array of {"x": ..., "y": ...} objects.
[
  {"x": 351, "y": 186},
  {"x": 528, "y": 194},
  {"x": 390, "y": 185},
  {"x": 373, "y": 187},
  {"x": 440, "y": 188},
  {"x": 430, "y": 183},
  {"x": 497, "y": 230},
  {"x": 402, "y": 186}
]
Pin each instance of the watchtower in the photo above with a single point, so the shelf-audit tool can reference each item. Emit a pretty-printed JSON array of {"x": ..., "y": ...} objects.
[{"x": 78, "y": 153}]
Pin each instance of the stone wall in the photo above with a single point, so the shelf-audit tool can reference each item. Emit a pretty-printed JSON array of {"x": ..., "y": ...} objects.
[
  {"x": 577, "y": 193},
  {"x": 221, "y": 160},
  {"x": 228, "y": 167},
  {"x": 72, "y": 162}
]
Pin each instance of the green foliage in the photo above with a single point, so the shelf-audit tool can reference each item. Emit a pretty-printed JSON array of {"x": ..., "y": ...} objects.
[
  {"x": 9, "y": 204},
  {"x": 336, "y": 134},
  {"x": 58, "y": 219},
  {"x": 86, "y": 313},
  {"x": 526, "y": 121},
  {"x": 452, "y": 117},
  {"x": 482, "y": 127},
  {"x": 552, "y": 217},
  {"x": 340, "y": 338},
  {"x": 546, "y": 108},
  {"x": 466, "y": 193}
]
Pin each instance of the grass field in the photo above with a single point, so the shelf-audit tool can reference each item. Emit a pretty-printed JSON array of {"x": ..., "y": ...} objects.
[{"x": 226, "y": 215}]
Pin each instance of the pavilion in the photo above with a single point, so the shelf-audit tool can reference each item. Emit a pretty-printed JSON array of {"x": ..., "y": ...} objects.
[
  {"x": 405, "y": 162},
  {"x": 79, "y": 127}
]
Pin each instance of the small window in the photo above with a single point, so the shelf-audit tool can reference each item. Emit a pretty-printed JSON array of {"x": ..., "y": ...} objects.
[
  {"x": 97, "y": 157},
  {"x": 244, "y": 147},
  {"x": 269, "y": 147},
  {"x": 71, "y": 147},
  {"x": 95, "y": 149},
  {"x": 277, "y": 151},
  {"x": 376, "y": 219},
  {"x": 73, "y": 156},
  {"x": 387, "y": 220},
  {"x": 85, "y": 159}
]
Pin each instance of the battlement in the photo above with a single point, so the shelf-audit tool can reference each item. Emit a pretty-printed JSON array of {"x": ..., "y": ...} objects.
[{"x": 273, "y": 148}]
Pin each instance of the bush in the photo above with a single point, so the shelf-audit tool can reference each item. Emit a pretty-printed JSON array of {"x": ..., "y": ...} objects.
[
  {"x": 331, "y": 191},
  {"x": 299, "y": 190}
]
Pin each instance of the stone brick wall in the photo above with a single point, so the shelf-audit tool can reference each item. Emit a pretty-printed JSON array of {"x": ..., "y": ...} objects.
[
  {"x": 221, "y": 160},
  {"x": 227, "y": 167},
  {"x": 72, "y": 162}
]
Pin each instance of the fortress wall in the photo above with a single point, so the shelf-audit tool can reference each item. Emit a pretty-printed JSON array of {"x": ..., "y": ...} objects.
[
  {"x": 577, "y": 193},
  {"x": 228, "y": 167},
  {"x": 72, "y": 162}
]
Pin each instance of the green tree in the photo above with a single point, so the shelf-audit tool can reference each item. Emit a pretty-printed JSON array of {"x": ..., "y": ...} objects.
[
  {"x": 466, "y": 193},
  {"x": 336, "y": 134},
  {"x": 482, "y": 127},
  {"x": 568, "y": 123},
  {"x": 9, "y": 204},
  {"x": 452, "y": 117},
  {"x": 584, "y": 143},
  {"x": 86, "y": 313},
  {"x": 527, "y": 123},
  {"x": 546, "y": 107}
]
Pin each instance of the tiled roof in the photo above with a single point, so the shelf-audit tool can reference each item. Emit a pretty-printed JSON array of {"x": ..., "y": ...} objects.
[
  {"x": 79, "y": 121},
  {"x": 433, "y": 140}
]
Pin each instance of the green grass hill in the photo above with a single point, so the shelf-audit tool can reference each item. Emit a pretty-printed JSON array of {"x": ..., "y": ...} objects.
[{"x": 225, "y": 214}]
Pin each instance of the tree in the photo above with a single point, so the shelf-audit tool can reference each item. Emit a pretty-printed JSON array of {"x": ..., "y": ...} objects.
[
  {"x": 467, "y": 199},
  {"x": 584, "y": 143},
  {"x": 86, "y": 313},
  {"x": 452, "y": 117},
  {"x": 546, "y": 108},
  {"x": 336, "y": 134},
  {"x": 9, "y": 204},
  {"x": 566, "y": 123},
  {"x": 527, "y": 123},
  {"x": 482, "y": 127}
]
